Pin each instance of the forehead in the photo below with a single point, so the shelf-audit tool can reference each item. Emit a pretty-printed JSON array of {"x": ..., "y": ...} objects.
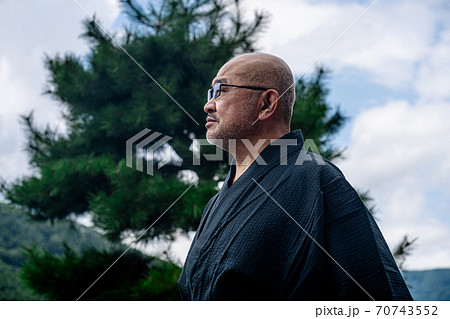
[{"x": 231, "y": 72}]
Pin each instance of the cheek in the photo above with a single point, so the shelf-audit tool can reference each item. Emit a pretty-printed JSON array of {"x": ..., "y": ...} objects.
[
  {"x": 229, "y": 114},
  {"x": 224, "y": 111},
  {"x": 244, "y": 112},
  {"x": 237, "y": 109}
]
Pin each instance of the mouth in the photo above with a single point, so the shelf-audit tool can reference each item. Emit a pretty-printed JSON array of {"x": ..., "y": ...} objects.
[{"x": 210, "y": 121}]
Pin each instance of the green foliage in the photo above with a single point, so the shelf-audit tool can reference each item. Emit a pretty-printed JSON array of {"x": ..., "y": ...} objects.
[
  {"x": 160, "y": 283},
  {"x": 62, "y": 188},
  {"x": 11, "y": 287},
  {"x": 317, "y": 120},
  {"x": 67, "y": 277},
  {"x": 106, "y": 99},
  {"x": 18, "y": 231},
  {"x": 135, "y": 202},
  {"x": 403, "y": 250}
]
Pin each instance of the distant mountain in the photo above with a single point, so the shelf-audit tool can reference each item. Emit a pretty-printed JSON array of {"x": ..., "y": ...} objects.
[
  {"x": 429, "y": 284},
  {"x": 18, "y": 232}
]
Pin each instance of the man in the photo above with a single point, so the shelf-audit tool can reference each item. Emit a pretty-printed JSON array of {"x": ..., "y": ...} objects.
[{"x": 286, "y": 225}]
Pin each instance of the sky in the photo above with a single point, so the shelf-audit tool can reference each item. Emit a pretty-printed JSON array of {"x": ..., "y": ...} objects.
[{"x": 390, "y": 76}]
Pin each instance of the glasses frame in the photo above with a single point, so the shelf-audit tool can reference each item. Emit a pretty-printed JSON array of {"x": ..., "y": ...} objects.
[{"x": 214, "y": 89}]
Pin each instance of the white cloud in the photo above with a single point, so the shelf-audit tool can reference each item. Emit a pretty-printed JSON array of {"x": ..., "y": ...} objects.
[
  {"x": 400, "y": 152},
  {"x": 433, "y": 80},
  {"x": 28, "y": 31},
  {"x": 403, "y": 137},
  {"x": 11, "y": 141},
  {"x": 388, "y": 41}
]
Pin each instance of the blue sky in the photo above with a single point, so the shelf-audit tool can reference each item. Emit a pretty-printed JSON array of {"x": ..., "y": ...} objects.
[{"x": 390, "y": 75}]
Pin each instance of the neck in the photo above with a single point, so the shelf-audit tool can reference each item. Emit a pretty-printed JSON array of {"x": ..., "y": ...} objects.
[{"x": 246, "y": 150}]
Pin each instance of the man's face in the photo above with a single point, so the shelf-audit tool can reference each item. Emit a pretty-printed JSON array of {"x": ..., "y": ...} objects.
[{"x": 231, "y": 115}]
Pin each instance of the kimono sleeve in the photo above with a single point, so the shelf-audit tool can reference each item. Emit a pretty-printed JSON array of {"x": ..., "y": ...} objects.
[{"x": 362, "y": 266}]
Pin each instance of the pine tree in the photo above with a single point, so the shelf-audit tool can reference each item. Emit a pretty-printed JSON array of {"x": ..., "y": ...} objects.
[{"x": 106, "y": 99}]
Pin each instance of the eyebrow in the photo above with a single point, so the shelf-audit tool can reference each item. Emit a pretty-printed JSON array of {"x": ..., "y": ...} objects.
[{"x": 220, "y": 80}]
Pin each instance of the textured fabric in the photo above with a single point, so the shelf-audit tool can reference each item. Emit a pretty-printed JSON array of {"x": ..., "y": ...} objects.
[{"x": 248, "y": 248}]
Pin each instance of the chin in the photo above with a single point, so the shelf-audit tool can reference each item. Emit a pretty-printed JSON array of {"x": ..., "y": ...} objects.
[
  {"x": 213, "y": 132},
  {"x": 215, "y": 138},
  {"x": 209, "y": 134},
  {"x": 212, "y": 139}
]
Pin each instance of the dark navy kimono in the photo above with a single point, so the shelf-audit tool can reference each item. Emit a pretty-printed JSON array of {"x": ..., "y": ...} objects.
[{"x": 248, "y": 246}]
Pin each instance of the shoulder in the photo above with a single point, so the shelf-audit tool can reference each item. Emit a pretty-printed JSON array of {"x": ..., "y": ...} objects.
[
  {"x": 307, "y": 166},
  {"x": 211, "y": 201}
]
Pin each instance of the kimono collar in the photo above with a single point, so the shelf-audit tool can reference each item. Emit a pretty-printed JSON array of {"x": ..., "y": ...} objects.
[{"x": 275, "y": 153}]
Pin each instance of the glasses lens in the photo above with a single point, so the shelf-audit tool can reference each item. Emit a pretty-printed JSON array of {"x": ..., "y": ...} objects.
[
  {"x": 216, "y": 90},
  {"x": 210, "y": 94}
]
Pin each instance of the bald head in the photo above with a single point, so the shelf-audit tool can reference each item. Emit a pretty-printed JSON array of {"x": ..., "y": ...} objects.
[{"x": 265, "y": 70}]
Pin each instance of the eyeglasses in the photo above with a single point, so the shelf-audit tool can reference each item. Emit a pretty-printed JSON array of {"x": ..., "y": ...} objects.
[{"x": 215, "y": 91}]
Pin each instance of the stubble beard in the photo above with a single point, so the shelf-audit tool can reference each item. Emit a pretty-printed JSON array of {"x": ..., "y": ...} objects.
[{"x": 224, "y": 134}]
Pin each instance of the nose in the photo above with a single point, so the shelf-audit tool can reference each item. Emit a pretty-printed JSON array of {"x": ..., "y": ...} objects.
[{"x": 210, "y": 106}]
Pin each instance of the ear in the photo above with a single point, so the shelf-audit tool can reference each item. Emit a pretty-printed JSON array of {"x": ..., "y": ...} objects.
[{"x": 268, "y": 104}]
